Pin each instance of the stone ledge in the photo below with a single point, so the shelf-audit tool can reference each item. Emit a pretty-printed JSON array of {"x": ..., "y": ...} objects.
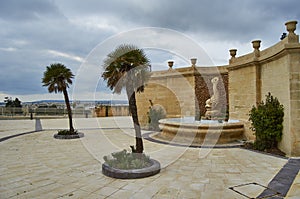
[{"x": 133, "y": 173}]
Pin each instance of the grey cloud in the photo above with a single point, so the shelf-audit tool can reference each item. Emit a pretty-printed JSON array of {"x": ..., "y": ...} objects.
[
  {"x": 27, "y": 10},
  {"x": 219, "y": 18},
  {"x": 30, "y": 28},
  {"x": 222, "y": 19}
]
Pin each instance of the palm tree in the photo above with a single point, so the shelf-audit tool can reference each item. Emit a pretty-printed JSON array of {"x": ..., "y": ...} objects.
[
  {"x": 58, "y": 77},
  {"x": 127, "y": 67}
]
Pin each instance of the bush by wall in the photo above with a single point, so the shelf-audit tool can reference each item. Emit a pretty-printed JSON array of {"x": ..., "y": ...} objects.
[{"x": 266, "y": 121}]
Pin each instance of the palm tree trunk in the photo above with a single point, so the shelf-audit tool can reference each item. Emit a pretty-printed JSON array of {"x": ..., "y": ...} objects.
[
  {"x": 68, "y": 110},
  {"x": 139, "y": 148}
]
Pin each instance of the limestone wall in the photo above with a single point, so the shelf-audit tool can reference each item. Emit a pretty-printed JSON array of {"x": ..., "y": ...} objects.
[
  {"x": 278, "y": 70},
  {"x": 294, "y": 102},
  {"x": 108, "y": 111},
  {"x": 242, "y": 95},
  {"x": 246, "y": 80},
  {"x": 172, "y": 89},
  {"x": 275, "y": 70},
  {"x": 181, "y": 92}
]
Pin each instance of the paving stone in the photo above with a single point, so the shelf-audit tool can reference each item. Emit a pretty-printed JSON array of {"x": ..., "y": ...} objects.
[
  {"x": 106, "y": 191},
  {"x": 75, "y": 194},
  {"x": 135, "y": 187},
  {"x": 139, "y": 195},
  {"x": 122, "y": 194},
  {"x": 36, "y": 165}
]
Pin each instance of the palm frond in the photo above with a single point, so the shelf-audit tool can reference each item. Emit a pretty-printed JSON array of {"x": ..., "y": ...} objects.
[
  {"x": 57, "y": 77},
  {"x": 127, "y": 65}
]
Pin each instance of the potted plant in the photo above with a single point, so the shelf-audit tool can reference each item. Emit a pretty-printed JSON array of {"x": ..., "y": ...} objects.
[
  {"x": 126, "y": 165},
  {"x": 127, "y": 67},
  {"x": 57, "y": 78}
]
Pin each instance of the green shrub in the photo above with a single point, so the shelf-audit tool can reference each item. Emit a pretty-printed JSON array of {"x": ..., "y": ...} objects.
[
  {"x": 66, "y": 132},
  {"x": 154, "y": 115},
  {"x": 266, "y": 121},
  {"x": 126, "y": 160}
]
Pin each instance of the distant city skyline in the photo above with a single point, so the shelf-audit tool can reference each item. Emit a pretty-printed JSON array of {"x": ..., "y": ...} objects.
[{"x": 97, "y": 102}]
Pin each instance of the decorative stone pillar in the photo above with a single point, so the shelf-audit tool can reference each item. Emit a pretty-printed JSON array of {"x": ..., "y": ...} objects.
[
  {"x": 193, "y": 62},
  {"x": 232, "y": 54},
  {"x": 256, "y": 46},
  {"x": 170, "y": 64},
  {"x": 291, "y": 27}
]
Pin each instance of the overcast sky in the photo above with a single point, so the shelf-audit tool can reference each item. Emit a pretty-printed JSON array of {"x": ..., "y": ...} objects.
[{"x": 36, "y": 33}]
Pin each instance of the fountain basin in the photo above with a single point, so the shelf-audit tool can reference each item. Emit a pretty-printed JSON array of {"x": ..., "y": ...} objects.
[{"x": 188, "y": 131}]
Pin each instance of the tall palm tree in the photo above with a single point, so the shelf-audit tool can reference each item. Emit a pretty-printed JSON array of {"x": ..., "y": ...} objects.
[
  {"x": 58, "y": 77},
  {"x": 127, "y": 67}
]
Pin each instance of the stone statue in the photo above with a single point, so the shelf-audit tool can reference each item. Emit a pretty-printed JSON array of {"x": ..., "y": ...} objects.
[{"x": 212, "y": 104}]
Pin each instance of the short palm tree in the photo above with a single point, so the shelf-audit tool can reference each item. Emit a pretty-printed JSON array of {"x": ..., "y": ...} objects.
[
  {"x": 128, "y": 67},
  {"x": 58, "y": 77}
]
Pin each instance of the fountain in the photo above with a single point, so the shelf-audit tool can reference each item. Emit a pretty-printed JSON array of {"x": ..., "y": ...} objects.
[
  {"x": 213, "y": 129},
  {"x": 189, "y": 131}
]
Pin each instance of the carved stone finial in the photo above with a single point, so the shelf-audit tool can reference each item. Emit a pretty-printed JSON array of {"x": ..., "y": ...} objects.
[
  {"x": 291, "y": 27},
  {"x": 232, "y": 54},
  {"x": 170, "y": 64},
  {"x": 256, "y": 46},
  {"x": 193, "y": 62}
]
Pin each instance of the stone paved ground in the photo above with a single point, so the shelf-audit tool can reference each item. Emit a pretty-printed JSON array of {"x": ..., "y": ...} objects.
[{"x": 38, "y": 166}]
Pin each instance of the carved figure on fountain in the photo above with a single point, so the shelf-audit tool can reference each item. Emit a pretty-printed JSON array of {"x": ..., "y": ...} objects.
[{"x": 213, "y": 105}]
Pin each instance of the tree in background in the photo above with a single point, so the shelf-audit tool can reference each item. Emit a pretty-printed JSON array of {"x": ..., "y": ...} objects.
[
  {"x": 128, "y": 67},
  {"x": 13, "y": 103}
]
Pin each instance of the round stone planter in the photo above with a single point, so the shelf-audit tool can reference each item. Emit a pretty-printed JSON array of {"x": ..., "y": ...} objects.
[
  {"x": 133, "y": 173},
  {"x": 67, "y": 137}
]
